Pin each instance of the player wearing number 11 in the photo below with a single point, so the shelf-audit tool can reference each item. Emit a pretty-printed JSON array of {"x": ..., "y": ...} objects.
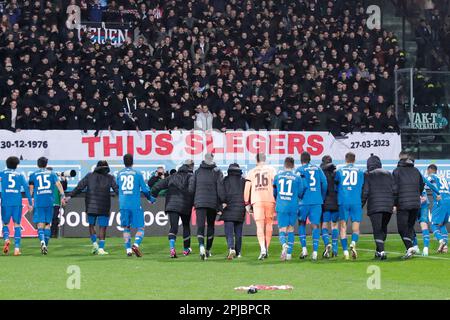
[
  {"x": 349, "y": 182},
  {"x": 131, "y": 183}
]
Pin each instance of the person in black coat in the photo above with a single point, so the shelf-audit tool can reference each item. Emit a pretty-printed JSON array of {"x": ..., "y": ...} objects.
[
  {"x": 330, "y": 207},
  {"x": 378, "y": 193},
  {"x": 233, "y": 213},
  {"x": 178, "y": 205},
  {"x": 206, "y": 184},
  {"x": 98, "y": 185},
  {"x": 408, "y": 187}
]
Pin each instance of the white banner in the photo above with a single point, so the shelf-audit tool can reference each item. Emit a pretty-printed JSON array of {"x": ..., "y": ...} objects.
[{"x": 180, "y": 145}]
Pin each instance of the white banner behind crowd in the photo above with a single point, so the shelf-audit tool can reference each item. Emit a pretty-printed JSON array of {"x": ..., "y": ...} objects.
[{"x": 177, "y": 146}]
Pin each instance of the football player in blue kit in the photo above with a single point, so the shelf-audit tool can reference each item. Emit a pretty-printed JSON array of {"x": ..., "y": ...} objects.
[{"x": 287, "y": 190}]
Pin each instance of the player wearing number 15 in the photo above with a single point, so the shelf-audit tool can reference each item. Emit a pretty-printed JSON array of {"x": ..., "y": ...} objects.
[
  {"x": 316, "y": 186},
  {"x": 349, "y": 181},
  {"x": 42, "y": 185},
  {"x": 12, "y": 183},
  {"x": 131, "y": 183},
  {"x": 288, "y": 190}
]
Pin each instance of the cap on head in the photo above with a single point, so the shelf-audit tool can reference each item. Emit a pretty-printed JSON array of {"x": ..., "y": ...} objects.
[
  {"x": 128, "y": 160},
  {"x": 327, "y": 159},
  {"x": 42, "y": 162},
  {"x": 189, "y": 163},
  {"x": 12, "y": 163},
  {"x": 209, "y": 158}
]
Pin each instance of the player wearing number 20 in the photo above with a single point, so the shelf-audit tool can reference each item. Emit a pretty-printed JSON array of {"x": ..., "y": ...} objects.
[
  {"x": 288, "y": 190},
  {"x": 131, "y": 183},
  {"x": 316, "y": 186},
  {"x": 349, "y": 181},
  {"x": 42, "y": 185},
  {"x": 12, "y": 182}
]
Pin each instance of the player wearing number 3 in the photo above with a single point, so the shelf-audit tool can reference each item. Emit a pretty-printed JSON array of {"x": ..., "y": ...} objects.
[
  {"x": 349, "y": 182},
  {"x": 131, "y": 183},
  {"x": 258, "y": 194}
]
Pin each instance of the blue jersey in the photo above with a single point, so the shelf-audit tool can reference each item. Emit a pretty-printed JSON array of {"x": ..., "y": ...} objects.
[
  {"x": 426, "y": 202},
  {"x": 287, "y": 190},
  {"x": 131, "y": 183},
  {"x": 439, "y": 186},
  {"x": 315, "y": 184},
  {"x": 349, "y": 181},
  {"x": 12, "y": 184},
  {"x": 44, "y": 182}
]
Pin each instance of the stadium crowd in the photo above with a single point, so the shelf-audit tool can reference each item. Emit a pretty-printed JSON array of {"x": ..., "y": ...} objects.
[{"x": 204, "y": 64}]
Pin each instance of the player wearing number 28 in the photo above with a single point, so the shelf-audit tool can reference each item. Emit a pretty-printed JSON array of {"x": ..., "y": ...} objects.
[
  {"x": 259, "y": 194},
  {"x": 131, "y": 183},
  {"x": 349, "y": 182},
  {"x": 316, "y": 186}
]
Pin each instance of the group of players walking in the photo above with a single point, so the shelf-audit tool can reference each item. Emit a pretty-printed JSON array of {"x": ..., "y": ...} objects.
[{"x": 327, "y": 197}]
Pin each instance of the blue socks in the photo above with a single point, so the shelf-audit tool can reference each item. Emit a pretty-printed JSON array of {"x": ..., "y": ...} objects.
[
  {"x": 94, "y": 238},
  {"x": 316, "y": 238},
  {"x": 282, "y": 237},
  {"x": 355, "y": 237},
  {"x": 444, "y": 233},
  {"x": 302, "y": 234},
  {"x": 139, "y": 236},
  {"x": 426, "y": 238},
  {"x": 344, "y": 244},
  {"x": 127, "y": 238},
  {"x": 5, "y": 232},
  {"x": 101, "y": 244},
  {"x": 172, "y": 244},
  {"x": 17, "y": 236},
  {"x": 47, "y": 234},
  {"x": 291, "y": 240},
  {"x": 436, "y": 231},
  {"x": 325, "y": 236},
  {"x": 334, "y": 239},
  {"x": 41, "y": 236}
]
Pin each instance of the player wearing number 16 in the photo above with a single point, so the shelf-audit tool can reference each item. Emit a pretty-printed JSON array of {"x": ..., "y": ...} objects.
[
  {"x": 131, "y": 183},
  {"x": 42, "y": 185},
  {"x": 349, "y": 182}
]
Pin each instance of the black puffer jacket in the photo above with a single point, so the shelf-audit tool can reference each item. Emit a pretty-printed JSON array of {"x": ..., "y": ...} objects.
[
  {"x": 234, "y": 185},
  {"x": 178, "y": 198},
  {"x": 207, "y": 186},
  {"x": 98, "y": 186},
  {"x": 408, "y": 185},
  {"x": 330, "y": 203},
  {"x": 378, "y": 187}
]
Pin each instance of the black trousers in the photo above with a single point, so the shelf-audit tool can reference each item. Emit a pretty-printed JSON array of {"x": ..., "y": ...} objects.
[
  {"x": 406, "y": 220},
  {"x": 174, "y": 218},
  {"x": 55, "y": 222},
  {"x": 233, "y": 233},
  {"x": 207, "y": 215},
  {"x": 380, "y": 221}
]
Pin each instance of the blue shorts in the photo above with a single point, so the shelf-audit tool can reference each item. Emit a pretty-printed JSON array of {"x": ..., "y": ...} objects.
[
  {"x": 423, "y": 215},
  {"x": 11, "y": 212},
  {"x": 440, "y": 213},
  {"x": 43, "y": 215},
  {"x": 103, "y": 221},
  {"x": 312, "y": 211},
  {"x": 354, "y": 211},
  {"x": 330, "y": 216},
  {"x": 286, "y": 219},
  {"x": 132, "y": 217}
]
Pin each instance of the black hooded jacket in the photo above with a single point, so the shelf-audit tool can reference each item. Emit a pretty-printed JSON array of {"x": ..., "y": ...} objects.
[
  {"x": 330, "y": 203},
  {"x": 408, "y": 185},
  {"x": 178, "y": 197},
  {"x": 207, "y": 186},
  {"x": 234, "y": 185},
  {"x": 98, "y": 186},
  {"x": 378, "y": 189}
]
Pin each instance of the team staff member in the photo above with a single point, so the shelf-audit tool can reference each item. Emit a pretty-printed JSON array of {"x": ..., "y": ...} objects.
[
  {"x": 378, "y": 193},
  {"x": 178, "y": 204},
  {"x": 259, "y": 195},
  {"x": 206, "y": 184},
  {"x": 98, "y": 185},
  {"x": 408, "y": 187}
]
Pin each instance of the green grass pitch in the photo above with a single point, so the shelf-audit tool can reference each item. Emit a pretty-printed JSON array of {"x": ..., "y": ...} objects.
[{"x": 156, "y": 276}]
